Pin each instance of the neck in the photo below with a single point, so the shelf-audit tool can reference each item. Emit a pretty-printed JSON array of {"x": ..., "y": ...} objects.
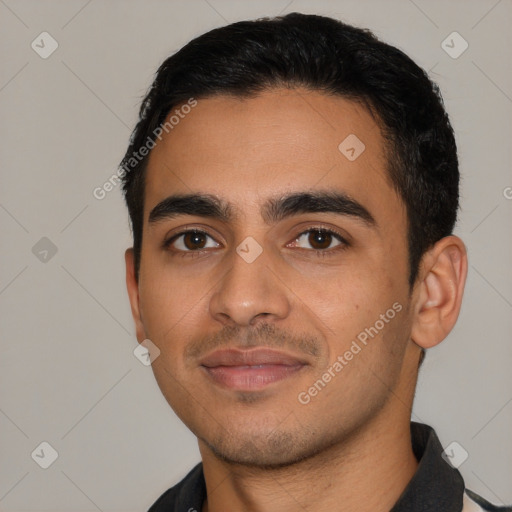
[{"x": 367, "y": 472}]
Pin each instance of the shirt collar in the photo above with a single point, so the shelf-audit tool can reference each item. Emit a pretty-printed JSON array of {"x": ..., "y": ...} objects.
[{"x": 436, "y": 485}]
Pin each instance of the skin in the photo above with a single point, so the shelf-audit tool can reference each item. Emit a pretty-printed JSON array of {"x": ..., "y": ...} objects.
[{"x": 264, "y": 450}]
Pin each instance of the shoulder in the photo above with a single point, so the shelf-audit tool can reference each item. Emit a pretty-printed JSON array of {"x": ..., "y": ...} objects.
[
  {"x": 189, "y": 493},
  {"x": 472, "y": 502}
]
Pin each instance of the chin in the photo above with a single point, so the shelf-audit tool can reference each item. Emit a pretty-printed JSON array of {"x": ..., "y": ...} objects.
[{"x": 273, "y": 450}]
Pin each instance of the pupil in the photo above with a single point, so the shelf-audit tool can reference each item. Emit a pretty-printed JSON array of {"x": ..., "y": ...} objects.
[
  {"x": 320, "y": 239},
  {"x": 194, "y": 240}
]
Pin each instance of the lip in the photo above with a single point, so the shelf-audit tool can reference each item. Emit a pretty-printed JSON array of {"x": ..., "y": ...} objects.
[
  {"x": 251, "y": 357},
  {"x": 250, "y": 370}
]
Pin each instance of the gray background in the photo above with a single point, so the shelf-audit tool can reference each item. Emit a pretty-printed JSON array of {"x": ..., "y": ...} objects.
[{"x": 67, "y": 370}]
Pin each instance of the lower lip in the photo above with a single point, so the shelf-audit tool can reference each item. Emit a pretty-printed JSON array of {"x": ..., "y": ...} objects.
[{"x": 251, "y": 378}]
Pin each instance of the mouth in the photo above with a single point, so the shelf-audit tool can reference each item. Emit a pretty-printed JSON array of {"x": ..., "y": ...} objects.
[{"x": 250, "y": 370}]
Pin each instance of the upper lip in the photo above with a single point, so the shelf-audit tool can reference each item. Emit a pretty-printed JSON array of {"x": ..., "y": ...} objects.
[{"x": 249, "y": 357}]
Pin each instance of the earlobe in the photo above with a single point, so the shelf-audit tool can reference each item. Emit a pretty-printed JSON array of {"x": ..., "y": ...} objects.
[
  {"x": 133, "y": 294},
  {"x": 439, "y": 291}
]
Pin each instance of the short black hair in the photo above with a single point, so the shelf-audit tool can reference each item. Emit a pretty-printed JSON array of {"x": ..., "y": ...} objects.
[{"x": 326, "y": 55}]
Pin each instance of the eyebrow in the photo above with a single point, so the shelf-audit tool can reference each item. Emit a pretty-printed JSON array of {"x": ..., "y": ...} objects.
[{"x": 273, "y": 211}]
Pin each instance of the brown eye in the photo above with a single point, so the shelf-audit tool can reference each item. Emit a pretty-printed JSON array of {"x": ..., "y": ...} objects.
[
  {"x": 190, "y": 241},
  {"x": 194, "y": 240},
  {"x": 319, "y": 240}
]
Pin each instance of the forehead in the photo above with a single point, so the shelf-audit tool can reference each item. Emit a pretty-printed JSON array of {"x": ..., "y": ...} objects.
[{"x": 280, "y": 141}]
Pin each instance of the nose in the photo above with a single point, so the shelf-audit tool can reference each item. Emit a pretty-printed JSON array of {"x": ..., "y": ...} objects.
[{"x": 249, "y": 293}]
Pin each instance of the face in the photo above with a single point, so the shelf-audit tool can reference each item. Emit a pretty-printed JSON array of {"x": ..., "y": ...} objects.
[{"x": 277, "y": 290}]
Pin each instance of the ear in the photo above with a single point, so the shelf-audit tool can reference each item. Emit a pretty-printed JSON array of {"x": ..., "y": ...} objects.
[
  {"x": 133, "y": 294},
  {"x": 440, "y": 288}
]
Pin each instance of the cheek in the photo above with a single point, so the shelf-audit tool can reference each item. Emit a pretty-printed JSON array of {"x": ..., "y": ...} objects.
[
  {"x": 362, "y": 307},
  {"x": 350, "y": 297},
  {"x": 167, "y": 301}
]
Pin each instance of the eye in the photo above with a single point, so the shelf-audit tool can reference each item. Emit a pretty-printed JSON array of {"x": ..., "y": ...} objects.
[
  {"x": 319, "y": 239},
  {"x": 189, "y": 241}
]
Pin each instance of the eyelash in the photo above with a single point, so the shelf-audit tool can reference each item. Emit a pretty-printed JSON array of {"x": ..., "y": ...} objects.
[
  {"x": 318, "y": 252},
  {"x": 323, "y": 253}
]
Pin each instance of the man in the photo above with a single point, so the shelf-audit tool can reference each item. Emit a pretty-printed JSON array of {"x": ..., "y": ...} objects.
[{"x": 293, "y": 186}]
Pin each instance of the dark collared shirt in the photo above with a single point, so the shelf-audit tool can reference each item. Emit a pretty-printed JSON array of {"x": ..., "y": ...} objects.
[{"x": 435, "y": 487}]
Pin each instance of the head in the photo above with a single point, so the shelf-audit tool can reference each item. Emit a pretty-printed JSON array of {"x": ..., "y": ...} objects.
[{"x": 297, "y": 191}]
